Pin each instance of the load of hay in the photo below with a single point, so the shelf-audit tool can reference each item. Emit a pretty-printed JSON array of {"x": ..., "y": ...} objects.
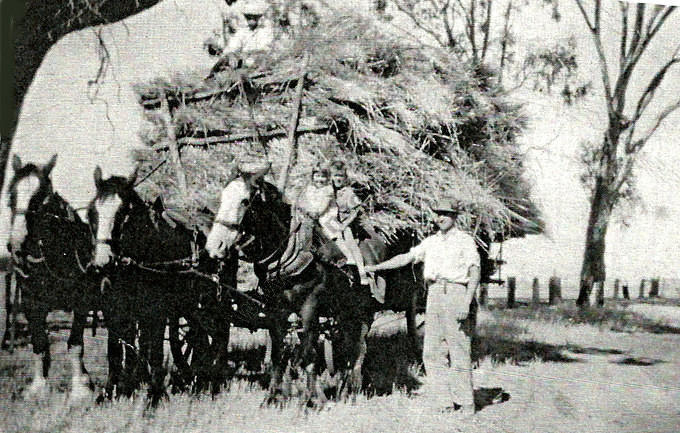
[{"x": 412, "y": 125}]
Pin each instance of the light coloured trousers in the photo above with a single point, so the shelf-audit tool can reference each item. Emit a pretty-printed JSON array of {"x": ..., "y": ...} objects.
[{"x": 447, "y": 346}]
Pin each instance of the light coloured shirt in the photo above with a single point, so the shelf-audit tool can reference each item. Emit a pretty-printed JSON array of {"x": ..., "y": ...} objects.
[
  {"x": 447, "y": 256},
  {"x": 316, "y": 201},
  {"x": 347, "y": 201},
  {"x": 246, "y": 40}
]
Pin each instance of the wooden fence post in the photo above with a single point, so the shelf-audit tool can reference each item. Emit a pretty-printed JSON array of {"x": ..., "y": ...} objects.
[
  {"x": 654, "y": 289},
  {"x": 616, "y": 288},
  {"x": 512, "y": 285},
  {"x": 554, "y": 290},
  {"x": 642, "y": 289},
  {"x": 597, "y": 296},
  {"x": 626, "y": 293},
  {"x": 535, "y": 292}
]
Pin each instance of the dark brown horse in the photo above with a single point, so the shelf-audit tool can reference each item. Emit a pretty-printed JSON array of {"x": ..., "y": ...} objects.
[
  {"x": 50, "y": 246},
  {"x": 254, "y": 218},
  {"x": 144, "y": 254}
]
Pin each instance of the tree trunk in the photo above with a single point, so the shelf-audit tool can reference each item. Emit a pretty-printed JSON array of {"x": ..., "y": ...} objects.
[{"x": 592, "y": 269}]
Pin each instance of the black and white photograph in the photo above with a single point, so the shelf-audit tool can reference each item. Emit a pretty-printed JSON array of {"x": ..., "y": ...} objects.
[{"x": 339, "y": 217}]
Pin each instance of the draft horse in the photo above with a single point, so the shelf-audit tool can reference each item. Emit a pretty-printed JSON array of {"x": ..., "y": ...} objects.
[
  {"x": 149, "y": 260},
  {"x": 254, "y": 218},
  {"x": 50, "y": 246}
]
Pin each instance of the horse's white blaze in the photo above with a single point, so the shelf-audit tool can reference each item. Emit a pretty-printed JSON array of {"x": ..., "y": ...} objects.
[
  {"x": 232, "y": 208},
  {"x": 25, "y": 189},
  {"x": 106, "y": 210},
  {"x": 81, "y": 103}
]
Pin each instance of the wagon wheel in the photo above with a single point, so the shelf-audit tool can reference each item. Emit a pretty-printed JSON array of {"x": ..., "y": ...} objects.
[{"x": 199, "y": 354}]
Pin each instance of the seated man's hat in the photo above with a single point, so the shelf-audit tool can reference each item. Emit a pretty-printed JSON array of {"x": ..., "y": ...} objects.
[
  {"x": 254, "y": 8},
  {"x": 254, "y": 166},
  {"x": 448, "y": 205}
]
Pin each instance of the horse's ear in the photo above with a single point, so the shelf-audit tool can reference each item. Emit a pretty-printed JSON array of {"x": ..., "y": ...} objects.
[
  {"x": 98, "y": 176},
  {"x": 50, "y": 165},
  {"x": 133, "y": 177},
  {"x": 16, "y": 163},
  {"x": 158, "y": 205}
]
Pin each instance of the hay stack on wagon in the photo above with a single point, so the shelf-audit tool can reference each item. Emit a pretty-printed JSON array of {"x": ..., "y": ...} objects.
[{"x": 412, "y": 125}]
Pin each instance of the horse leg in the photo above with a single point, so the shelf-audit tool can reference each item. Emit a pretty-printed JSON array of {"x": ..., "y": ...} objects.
[
  {"x": 36, "y": 315},
  {"x": 411, "y": 327},
  {"x": 356, "y": 380},
  {"x": 156, "y": 331},
  {"x": 122, "y": 355},
  {"x": 81, "y": 385},
  {"x": 114, "y": 355},
  {"x": 308, "y": 353},
  {"x": 277, "y": 364}
]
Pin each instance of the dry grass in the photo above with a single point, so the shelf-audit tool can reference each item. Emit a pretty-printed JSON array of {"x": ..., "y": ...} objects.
[{"x": 558, "y": 376}]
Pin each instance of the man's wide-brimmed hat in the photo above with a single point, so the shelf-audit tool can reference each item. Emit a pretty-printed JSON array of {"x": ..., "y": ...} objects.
[
  {"x": 253, "y": 166},
  {"x": 448, "y": 205},
  {"x": 254, "y": 8}
]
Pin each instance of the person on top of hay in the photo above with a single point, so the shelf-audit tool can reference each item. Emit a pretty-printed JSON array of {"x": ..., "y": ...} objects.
[
  {"x": 451, "y": 270},
  {"x": 256, "y": 36}
]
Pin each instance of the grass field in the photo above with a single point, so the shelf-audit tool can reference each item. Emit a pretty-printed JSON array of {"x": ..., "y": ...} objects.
[{"x": 561, "y": 371}]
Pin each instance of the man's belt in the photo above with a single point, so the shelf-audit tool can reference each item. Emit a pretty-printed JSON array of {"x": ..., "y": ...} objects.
[{"x": 444, "y": 280}]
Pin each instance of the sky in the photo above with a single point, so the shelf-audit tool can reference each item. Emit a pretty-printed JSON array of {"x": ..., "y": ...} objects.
[{"x": 646, "y": 246}]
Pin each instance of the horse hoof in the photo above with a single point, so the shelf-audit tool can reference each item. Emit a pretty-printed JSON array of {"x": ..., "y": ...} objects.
[
  {"x": 80, "y": 397},
  {"x": 38, "y": 390}
]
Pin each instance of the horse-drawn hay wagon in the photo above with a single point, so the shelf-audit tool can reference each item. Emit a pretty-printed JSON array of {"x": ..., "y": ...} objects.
[{"x": 411, "y": 124}]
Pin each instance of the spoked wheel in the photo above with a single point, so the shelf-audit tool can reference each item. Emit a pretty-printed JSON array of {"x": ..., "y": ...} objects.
[{"x": 199, "y": 354}]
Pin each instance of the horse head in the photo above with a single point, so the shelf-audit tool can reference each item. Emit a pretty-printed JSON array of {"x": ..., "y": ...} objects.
[
  {"x": 29, "y": 188},
  {"x": 105, "y": 213},
  {"x": 245, "y": 202},
  {"x": 235, "y": 200}
]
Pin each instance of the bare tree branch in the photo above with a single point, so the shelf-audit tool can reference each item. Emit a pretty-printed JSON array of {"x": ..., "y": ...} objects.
[
  {"x": 651, "y": 88},
  {"x": 597, "y": 39},
  {"x": 635, "y": 52},
  {"x": 448, "y": 25},
  {"x": 579, "y": 3},
  {"x": 624, "y": 34},
  {"x": 638, "y": 144},
  {"x": 473, "y": 31},
  {"x": 486, "y": 28},
  {"x": 504, "y": 41},
  {"x": 419, "y": 23},
  {"x": 637, "y": 29}
]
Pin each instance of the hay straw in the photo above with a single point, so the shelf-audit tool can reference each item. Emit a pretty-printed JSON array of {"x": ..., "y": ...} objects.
[{"x": 412, "y": 126}]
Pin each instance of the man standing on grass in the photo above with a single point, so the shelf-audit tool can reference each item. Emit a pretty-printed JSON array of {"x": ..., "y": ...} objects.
[{"x": 451, "y": 271}]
